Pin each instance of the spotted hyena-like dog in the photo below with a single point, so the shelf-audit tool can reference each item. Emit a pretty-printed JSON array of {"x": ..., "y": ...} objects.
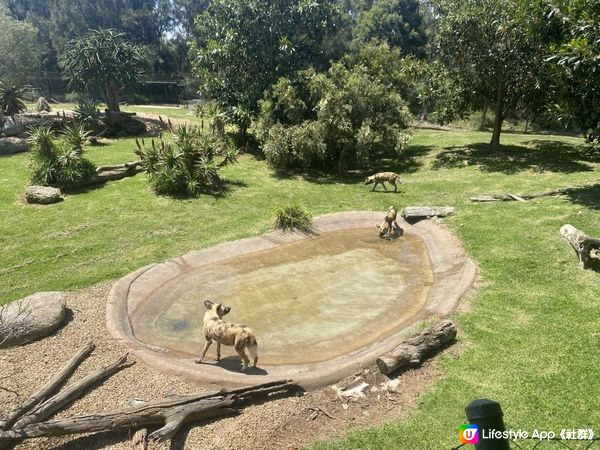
[
  {"x": 381, "y": 177},
  {"x": 238, "y": 336}
]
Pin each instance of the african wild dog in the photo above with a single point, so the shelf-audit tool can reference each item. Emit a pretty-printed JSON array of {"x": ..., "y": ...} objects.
[
  {"x": 381, "y": 177},
  {"x": 389, "y": 225},
  {"x": 236, "y": 335}
]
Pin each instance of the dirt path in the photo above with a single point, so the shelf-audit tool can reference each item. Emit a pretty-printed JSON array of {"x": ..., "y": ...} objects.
[{"x": 287, "y": 423}]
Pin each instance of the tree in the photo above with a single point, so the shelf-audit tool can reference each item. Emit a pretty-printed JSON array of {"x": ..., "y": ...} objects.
[
  {"x": 397, "y": 22},
  {"x": 106, "y": 60},
  {"x": 243, "y": 46},
  {"x": 20, "y": 52},
  {"x": 489, "y": 47},
  {"x": 576, "y": 57}
]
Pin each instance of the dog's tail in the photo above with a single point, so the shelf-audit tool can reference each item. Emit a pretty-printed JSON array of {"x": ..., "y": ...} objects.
[{"x": 253, "y": 349}]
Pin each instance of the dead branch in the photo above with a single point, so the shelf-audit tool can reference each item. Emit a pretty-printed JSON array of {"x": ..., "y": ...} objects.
[
  {"x": 521, "y": 198},
  {"x": 172, "y": 413},
  {"x": 71, "y": 393},
  {"x": 47, "y": 389},
  {"x": 414, "y": 350}
]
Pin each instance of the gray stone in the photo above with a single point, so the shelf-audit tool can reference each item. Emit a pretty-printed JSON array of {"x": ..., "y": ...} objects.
[
  {"x": 44, "y": 195},
  {"x": 31, "y": 318},
  {"x": 12, "y": 127},
  {"x": 10, "y": 145},
  {"x": 423, "y": 212}
]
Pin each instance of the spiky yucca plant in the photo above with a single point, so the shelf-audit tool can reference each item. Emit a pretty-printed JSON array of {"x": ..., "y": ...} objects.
[
  {"x": 75, "y": 137},
  {"x": 57, "y": 162},
  {"x": 12, "y": 99},
  {"x": 88, "y": 115},
  {"x": 185, "y": 164}
]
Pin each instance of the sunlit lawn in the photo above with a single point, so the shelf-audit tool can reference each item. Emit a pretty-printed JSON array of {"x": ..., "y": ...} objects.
[{"x": 531, "y": 335}]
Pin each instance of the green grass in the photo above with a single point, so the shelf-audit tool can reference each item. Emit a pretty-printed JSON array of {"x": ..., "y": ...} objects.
[{"x": 531, "y": 334}]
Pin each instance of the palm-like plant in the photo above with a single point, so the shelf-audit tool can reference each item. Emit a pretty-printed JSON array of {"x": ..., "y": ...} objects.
[
  {"x": 218, "y": 118},
  {"x": 12, "y": 99},
  {"x": 75, "y": 137},
  {"x": 185, "y": 164},
  {"x": 88, "y": 115}
]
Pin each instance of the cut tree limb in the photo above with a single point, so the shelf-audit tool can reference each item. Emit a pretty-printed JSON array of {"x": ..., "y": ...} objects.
[
  {"x": 171, "y": 413},
  {"x": 47, "y": 389},
  {"x": 414, "y": 350},
  {"x": 514, "y": 197},
  {"x": 586, "y": 247},
  {"x": 72, "y": 392},
  {"x": 139, "y": 441}
]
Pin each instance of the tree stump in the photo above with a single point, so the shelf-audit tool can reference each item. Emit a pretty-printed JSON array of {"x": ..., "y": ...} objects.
[
  {"x": 414, "y": 350},
  {"x": 586, "y": 247}
]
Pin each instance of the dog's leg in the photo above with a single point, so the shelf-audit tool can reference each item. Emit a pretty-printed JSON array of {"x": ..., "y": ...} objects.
[
  {"x": 239, "y": 348},
  {"x": 395, "y": 187},
  {"x": 199, "y": 360},
  {"x": 374, "y": 186},
  {"x": 383, "y": 184},
  {"x": 218, "y": 357},
  {"x": 253, "y": 349}
]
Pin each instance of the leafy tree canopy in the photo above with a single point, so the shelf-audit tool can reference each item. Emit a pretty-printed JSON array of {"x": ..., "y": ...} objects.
[
  {"x": 20, "y": 52},
  {"x": 243, "y": 46}
]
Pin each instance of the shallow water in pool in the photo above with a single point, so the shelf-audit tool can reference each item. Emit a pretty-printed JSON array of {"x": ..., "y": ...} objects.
[{"x": 307, "y": 301}]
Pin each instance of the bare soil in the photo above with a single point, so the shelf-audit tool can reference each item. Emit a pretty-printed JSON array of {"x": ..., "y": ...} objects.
[{"x": 282, "y": 423}]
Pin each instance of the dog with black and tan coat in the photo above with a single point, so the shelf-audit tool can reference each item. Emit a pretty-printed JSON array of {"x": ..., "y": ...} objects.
[{"x": 238, "y": 336}]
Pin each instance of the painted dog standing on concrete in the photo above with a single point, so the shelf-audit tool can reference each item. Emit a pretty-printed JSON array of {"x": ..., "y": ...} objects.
[{"x": 236, "y": 335}]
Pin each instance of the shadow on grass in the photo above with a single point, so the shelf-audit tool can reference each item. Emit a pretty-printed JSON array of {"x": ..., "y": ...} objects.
[
  {"x": 540, "y": 155},
  {"x": 588, "y": 196},
  {"x": 408, "y": 162}
]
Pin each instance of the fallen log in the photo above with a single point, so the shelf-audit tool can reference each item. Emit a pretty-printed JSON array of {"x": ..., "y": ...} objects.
[
  {"x": 72, "y": 392},
  {"x": 425, "y": 212},
  {"x": 586, "y": 247},
  {"x": 414, "y": 350},
  {"x": 171, "y": 413},
  {"x": 47, "y": 389},
  {"x": 139, "y": 441},
  {"x": 514, "y": 197},
  {"x": 113, "y": 173}
]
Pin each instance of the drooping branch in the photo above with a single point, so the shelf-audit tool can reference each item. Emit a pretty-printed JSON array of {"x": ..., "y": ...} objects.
[
  {"x": 47, "y": 389},
  {"x": 414, "y": 350}
]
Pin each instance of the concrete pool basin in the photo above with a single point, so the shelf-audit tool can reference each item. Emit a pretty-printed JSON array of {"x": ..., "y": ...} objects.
[{"x": 321, "y": 307}]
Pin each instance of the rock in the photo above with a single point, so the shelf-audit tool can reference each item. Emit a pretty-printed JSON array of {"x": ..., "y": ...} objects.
[
  {"x": 31, "y": 318},
  {"x": 10, "y": 145},
  {"x": 423, "y": 212},
  {"x": 12, "y": 127},
  {"x": 44, "y": 195},
  {"x": 42, "y": 105}
]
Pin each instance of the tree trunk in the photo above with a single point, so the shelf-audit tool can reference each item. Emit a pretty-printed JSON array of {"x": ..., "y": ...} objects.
[
  {"x": 112, "y": 98},
  {"x": 413, "y": 350},
  {"x": 495, "y": 142},
  {"x": 482, "y": 125}
]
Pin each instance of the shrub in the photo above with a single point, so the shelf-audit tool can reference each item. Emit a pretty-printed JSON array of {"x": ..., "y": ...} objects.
[
  {"x": 55, "y": 162},
  {"x": 294, "y": 218},
  {"x": 88, "y": 115},
  {"x": 185, "y": 164},
  {"x": 344, "y": 118},
  {"x": 12, "y": 99}
]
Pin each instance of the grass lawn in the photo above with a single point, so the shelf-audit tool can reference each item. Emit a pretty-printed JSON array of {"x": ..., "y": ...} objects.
[{"x": 529, "y": 339}]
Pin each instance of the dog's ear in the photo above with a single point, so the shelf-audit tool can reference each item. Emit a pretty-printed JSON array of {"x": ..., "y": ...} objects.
[{"x": 208, "y": 304}]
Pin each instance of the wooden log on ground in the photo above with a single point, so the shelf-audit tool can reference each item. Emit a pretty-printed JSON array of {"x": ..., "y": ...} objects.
[
  {"x": 425, "y": 212},
  {"x": 586, "y": 247},
  {"x": 414, "y": 350},
  {"x": 47, "y": 389},
  {"x": 72, "y": 392},
  {"x": 113, "y": 173},
  {"x": 171, "y": 412},
  {"x": 139, "y": 441},
  {"x": 514, "y": 197}
]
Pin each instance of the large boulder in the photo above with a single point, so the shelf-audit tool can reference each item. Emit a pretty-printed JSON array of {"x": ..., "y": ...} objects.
[
  {"x": 31, "y": 318},
  {"x": 10, "y": 145},
  {"x": 43, "y": 195},
  {"x": 12, "y": 127}
]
